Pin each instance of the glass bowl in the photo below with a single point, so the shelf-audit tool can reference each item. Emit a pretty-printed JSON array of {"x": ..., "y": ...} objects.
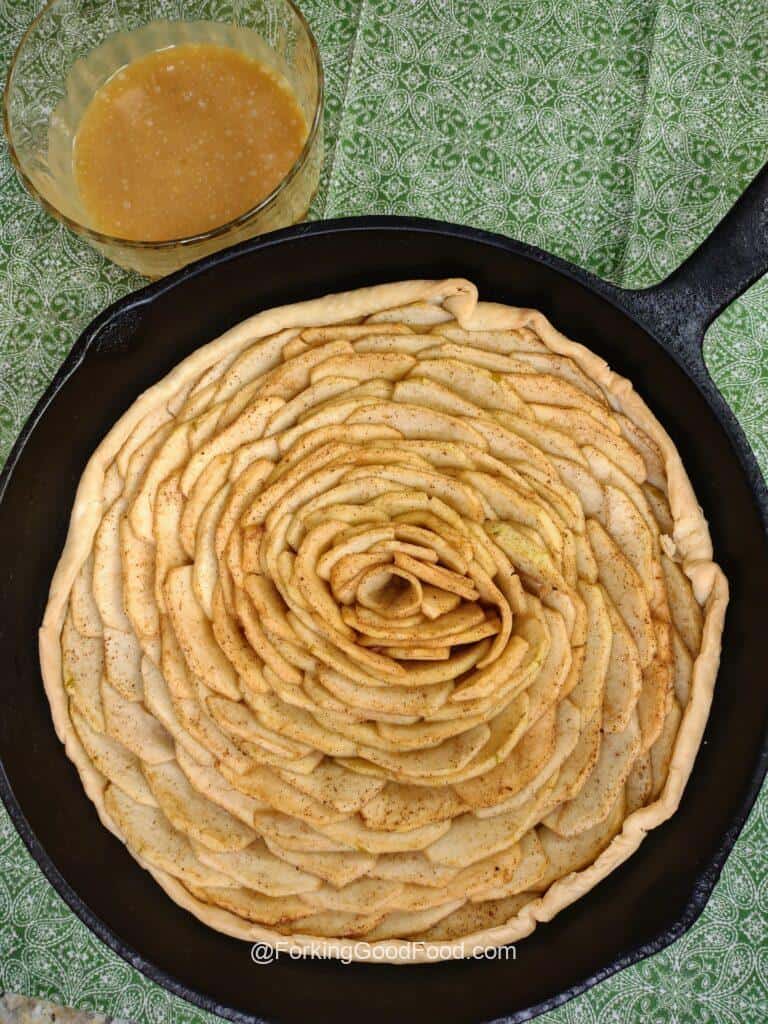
[{"x": 74, "y": 46}]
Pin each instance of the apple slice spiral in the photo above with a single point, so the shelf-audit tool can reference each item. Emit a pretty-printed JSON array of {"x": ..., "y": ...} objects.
[{"x": 388, "y": 616}]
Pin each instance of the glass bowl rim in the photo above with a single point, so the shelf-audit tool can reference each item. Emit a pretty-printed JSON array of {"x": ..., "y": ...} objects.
[{"x": 184, "y": 240}]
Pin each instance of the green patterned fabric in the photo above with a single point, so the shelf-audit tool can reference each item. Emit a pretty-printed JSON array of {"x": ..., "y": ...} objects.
[{"x": 615, "y": 133}]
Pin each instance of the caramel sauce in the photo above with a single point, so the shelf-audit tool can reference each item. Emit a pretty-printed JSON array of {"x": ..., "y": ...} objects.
[{"x": 184, "y": 140}]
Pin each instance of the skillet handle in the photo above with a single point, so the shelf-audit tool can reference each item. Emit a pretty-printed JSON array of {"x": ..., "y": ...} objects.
[{"x": 679, "y": 309}]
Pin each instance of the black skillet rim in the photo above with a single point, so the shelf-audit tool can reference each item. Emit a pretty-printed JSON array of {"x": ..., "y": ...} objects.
[{"x": 128, "y": 309}]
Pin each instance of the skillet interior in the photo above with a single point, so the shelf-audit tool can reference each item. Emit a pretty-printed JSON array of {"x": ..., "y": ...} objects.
[{"x": 639, "y": 908}]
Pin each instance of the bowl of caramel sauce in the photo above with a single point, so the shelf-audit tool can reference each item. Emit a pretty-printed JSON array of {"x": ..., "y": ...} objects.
[{"x": 162, "y": 140}]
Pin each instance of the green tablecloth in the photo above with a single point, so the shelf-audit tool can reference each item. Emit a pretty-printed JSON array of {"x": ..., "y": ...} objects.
[{"x": 614, "y": 132}]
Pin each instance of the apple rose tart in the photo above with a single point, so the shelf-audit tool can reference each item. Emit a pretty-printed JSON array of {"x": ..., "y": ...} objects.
[{"x": 389, "y": 615}]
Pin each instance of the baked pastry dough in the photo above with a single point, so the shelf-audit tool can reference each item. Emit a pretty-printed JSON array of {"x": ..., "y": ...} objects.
[{"x": 387, "y": 616}]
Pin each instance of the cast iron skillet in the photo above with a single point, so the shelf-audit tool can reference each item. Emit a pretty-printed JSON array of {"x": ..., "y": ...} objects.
[{"x": 652, "y": 336}]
